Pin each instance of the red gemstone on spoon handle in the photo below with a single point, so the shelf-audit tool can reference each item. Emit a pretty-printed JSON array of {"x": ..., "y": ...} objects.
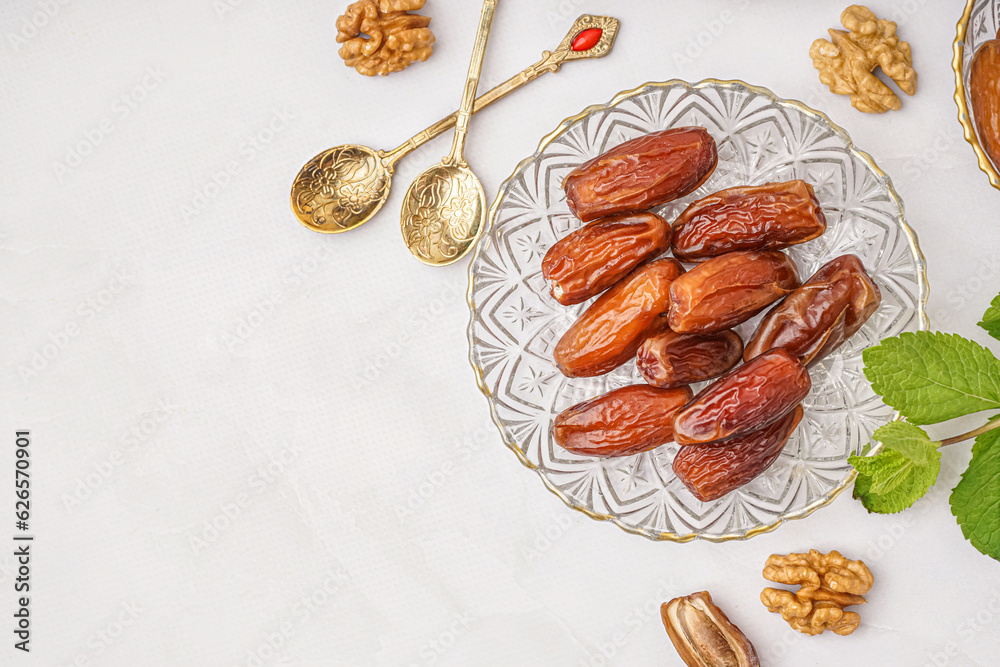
[{"x": 587, "y": 39}]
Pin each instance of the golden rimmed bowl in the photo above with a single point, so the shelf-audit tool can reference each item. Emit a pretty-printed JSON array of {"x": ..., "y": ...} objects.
[
  {"x": 515, "y": 324},
  {"x": 979, "y": 23}
]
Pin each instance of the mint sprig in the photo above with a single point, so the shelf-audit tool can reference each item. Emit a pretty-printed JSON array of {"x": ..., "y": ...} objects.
[
  {"x": 931, "y": 378},
  {"x": 901, "y": 473}
]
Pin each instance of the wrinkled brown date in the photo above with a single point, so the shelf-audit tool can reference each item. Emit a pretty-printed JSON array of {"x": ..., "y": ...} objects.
[
  {"x": 818, "y": 317},
  {"x": 755, "y": 217},
  {"x": 743, "y": 400},
  {"x": 672, "y": 359},
  {"x": 642, "y": 173},
  {"x": 610, "y": 331},
  {"x": 596, "y": 256},
  {"x": 625, "y": 421},
  {"x": 720, "y": 293},
  {"x": 712, "y": 472}
]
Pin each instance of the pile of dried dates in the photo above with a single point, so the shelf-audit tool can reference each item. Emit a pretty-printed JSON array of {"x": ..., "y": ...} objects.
[{"x": 677, "y": 323}]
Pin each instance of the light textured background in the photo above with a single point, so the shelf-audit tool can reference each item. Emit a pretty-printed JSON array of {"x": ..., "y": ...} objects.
[{"x": 257, "y": 445}]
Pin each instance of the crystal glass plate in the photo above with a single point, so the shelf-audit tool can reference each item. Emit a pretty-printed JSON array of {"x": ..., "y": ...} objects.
[
  {"x": 979, "y": 23},
  {"x": 515, "y": 324}
]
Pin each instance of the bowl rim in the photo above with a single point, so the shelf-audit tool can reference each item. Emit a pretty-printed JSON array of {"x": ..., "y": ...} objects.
[
  {"x": 923, "y": 321},
  {"x": 964, "y": 115}
]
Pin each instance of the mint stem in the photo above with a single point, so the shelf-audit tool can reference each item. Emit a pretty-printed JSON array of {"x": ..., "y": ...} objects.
[{"x": 985, "y": 428}]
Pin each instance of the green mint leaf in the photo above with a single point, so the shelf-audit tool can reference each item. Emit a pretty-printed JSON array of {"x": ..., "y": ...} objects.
[
  {"x": 975, "y": 502},
  {"x": 933, "y": 377},
  {"x": 886, "y": 471},
  {"x": 872, "y": 502},
  {"x": 901, "y": 473},
  {"x": 910, "y": 441},
  {"x": 991, "y": 319}
]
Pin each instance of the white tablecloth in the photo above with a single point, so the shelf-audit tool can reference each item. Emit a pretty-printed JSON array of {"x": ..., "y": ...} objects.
[{"x": 257, "y": 445}]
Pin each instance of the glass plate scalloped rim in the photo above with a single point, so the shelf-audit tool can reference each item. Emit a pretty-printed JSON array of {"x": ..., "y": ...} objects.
[{"x": 734, "y": 505}]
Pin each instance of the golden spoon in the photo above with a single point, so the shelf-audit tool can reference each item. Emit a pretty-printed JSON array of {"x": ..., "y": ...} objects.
[
  {"x": 345, "y": 186},
  {"x": 445, "y": 207}
]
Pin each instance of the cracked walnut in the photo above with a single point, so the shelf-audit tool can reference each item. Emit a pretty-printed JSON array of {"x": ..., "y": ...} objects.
[
  {"x": 846, "y": 63},
  {"x": 829, "y": 582},
  {"x": 381, "y": 36}
]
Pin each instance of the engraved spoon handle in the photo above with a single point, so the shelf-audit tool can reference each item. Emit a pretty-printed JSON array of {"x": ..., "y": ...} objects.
[
  {"x": 551, "y": 61},
  {"x": 456, "y": 156}
]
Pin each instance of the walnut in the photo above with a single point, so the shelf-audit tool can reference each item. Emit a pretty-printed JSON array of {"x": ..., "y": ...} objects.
[
  {"x": 381, "y": 37},
  {"x": 846, "y": 64},
  {"x": 829, "y": 583}
]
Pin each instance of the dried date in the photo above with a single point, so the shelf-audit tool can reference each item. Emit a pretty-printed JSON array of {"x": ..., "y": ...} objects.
[
  {"x": 712, "y": 472},
  {"x": 755, "y": 217},
  {"x": 743, "y": 400},
  {"x": 819, "y": 316},
  {"x": 703, "y": 635},
  {"x": 642, "y": 173},
  {"x": 610, "y": 331},
  {"x": 984, "y": 89},
  {"x": 598, "y": 255},
  {"x": 625, "y": 421},
  {"x": 724, "y": 291},
  {"x": 672, "y": 359}
]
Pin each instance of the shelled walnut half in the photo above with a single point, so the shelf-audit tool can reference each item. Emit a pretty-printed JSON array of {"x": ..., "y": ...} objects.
[
  {"x": 829, "y": 583},
  {"x": 846, "y": 63},
  {"x": 703, "y": 635},
  {"x": 381, "y": 36}
]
